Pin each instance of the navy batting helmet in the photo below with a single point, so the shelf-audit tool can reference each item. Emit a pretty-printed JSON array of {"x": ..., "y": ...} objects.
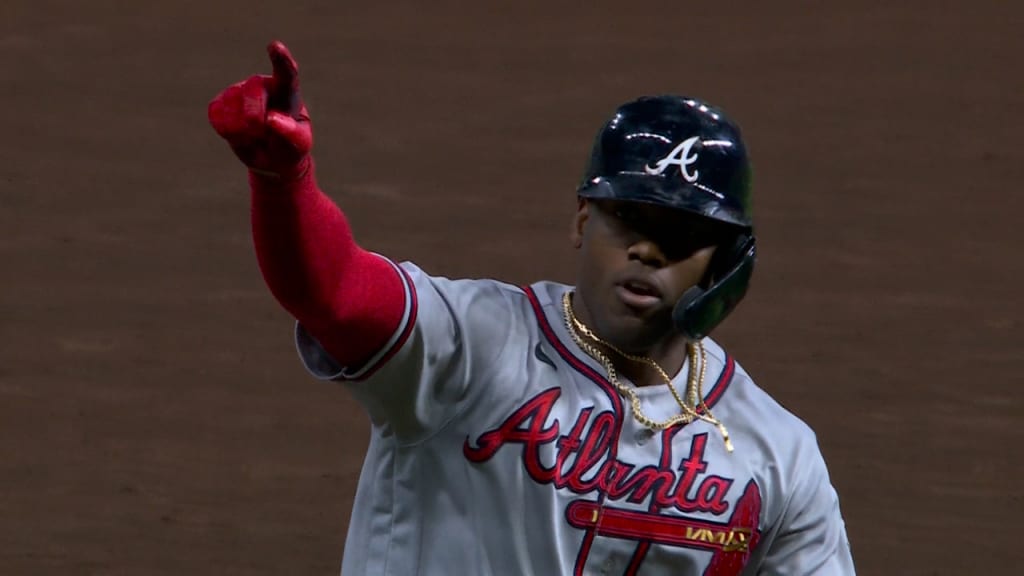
[{"x": 682, "y": 153}]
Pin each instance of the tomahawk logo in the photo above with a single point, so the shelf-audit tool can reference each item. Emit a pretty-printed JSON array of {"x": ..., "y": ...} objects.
[{"x": 679, "y": 156}]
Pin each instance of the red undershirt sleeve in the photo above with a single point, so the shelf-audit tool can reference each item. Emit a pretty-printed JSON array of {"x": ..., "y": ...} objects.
[{"x": 350, "y": 300}]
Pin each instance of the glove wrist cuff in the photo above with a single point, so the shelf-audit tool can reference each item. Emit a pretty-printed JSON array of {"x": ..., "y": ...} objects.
[{"x": 297, "y": 172}]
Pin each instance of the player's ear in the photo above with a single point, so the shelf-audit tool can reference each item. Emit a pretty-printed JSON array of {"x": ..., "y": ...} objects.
[{"x": 578, "y": 220}]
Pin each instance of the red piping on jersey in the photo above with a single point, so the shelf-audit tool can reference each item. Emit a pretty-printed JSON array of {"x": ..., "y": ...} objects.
[
  {"x": 406, "y": 331},
  {"x": 718, "y": 389},
  {"x": 350, "y": 300},
  {"x": 573, "y": 361}
]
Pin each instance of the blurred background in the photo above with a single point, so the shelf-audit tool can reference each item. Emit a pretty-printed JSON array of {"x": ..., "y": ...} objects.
[{"x": 154, "y": 418}]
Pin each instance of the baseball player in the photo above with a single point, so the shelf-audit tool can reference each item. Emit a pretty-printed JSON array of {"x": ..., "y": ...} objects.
[{"x": 550, "y": 429}]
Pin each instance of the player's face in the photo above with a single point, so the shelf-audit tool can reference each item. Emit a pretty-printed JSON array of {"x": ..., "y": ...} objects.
[{"x": 636, "y": 262}]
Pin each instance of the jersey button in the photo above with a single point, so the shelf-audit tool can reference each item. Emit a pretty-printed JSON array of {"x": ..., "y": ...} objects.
[{"x": 643, "y": 435}]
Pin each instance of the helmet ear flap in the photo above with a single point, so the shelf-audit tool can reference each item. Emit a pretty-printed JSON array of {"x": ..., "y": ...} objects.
[
  {"x": 704, "y": 306},
  {"x": 730, "y": 251}
]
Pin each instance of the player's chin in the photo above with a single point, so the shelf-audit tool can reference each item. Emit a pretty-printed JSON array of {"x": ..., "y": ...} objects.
[{"x": 636, "y": 331}]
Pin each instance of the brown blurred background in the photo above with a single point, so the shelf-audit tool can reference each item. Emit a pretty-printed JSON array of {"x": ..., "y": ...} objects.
[{"x": 154, "y": 418}]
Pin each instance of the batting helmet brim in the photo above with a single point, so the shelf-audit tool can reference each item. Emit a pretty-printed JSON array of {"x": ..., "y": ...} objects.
[{"x": 661, "y": 191}]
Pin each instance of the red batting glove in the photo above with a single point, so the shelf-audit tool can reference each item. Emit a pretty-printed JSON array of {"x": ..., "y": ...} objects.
[{"x": 264, "y": 120}]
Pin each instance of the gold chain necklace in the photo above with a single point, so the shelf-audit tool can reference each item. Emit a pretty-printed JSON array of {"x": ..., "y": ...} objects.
[{"x": 694, "y": 385}]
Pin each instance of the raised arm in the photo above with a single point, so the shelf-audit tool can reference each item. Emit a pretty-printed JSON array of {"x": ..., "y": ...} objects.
[{"x": 350, "y": 300}]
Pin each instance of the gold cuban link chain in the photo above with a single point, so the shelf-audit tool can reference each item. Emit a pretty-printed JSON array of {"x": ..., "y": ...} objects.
[{"x": 694, "y": 385}]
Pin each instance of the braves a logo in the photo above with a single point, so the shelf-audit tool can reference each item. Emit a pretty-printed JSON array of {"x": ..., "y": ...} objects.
[
  {"x": 586, "y": 463},
  {"x": 682, "y": 156}
]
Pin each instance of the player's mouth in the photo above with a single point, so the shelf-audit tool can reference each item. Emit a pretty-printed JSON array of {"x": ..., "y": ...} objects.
[{"x": 639, "y": 293}]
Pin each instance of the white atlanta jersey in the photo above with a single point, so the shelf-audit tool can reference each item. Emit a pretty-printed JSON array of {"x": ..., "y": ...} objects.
[{"x": 500, "y": 448}]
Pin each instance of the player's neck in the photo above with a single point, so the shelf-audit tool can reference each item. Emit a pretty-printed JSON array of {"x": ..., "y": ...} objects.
[{"x": 669, "y": 354}]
